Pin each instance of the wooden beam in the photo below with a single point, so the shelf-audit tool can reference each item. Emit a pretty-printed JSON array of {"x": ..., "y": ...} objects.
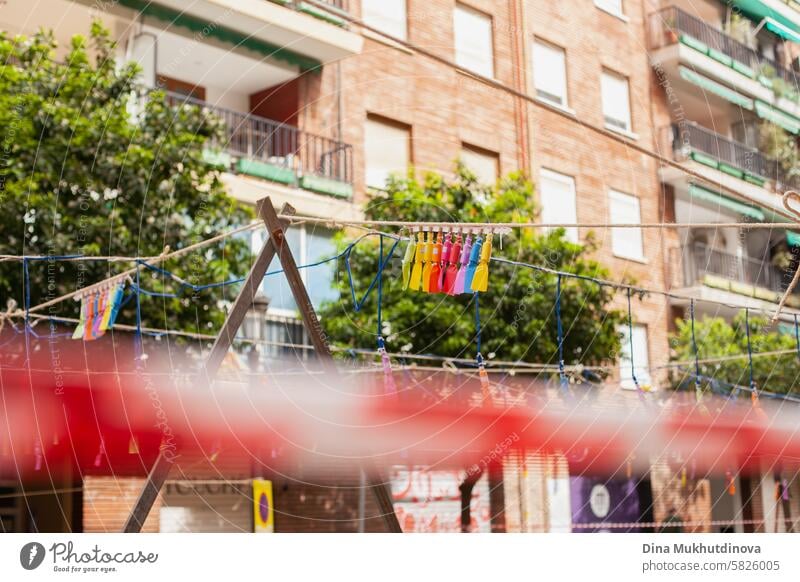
[
  {"x": 160, "y": 470},
  {"x": 244, "y": 301}
]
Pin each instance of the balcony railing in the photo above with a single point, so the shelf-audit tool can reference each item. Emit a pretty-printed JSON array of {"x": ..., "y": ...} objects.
[
  {"x": 667, "y": 24},
  {"x": 691, "y": 264},
  {"x": 337, "y": 4},
  {"x": 278, "y": 144},
  {"x": 688, "y": 137}
]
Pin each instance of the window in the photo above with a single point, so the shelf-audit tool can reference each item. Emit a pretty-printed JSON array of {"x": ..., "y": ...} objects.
[
  {"x": 388, "y": 16},
  {"x": 550, "y": 73},
  {"x": 309, "y": 245},
  {"x": 387, "y": 150},
  {"x": 641, "y": 361},
  {"x": 483, "y": 163},
  {"x": 181, "y": 87},
  {"x": 557, "y": 198},
  {"x": 616, "y": 101},
  {"x": 625, "y": 242},
  {"x": 473, "y": 39},
  {"x": 612, "y": 6}
]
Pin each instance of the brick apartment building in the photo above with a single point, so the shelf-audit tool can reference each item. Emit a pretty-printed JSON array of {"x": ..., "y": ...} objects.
[{"x": 321, "y": 109}]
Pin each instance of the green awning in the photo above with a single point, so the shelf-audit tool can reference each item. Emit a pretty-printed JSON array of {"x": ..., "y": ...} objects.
[
  {"x": 716, "y": 88},
  {"x": 780, "y": 30},
  {"x": 788, "y": 122},
  {"x": 793, "y": 238},
  {"x": 718, "y": 200},
  {"x": 757, "y": 10}
]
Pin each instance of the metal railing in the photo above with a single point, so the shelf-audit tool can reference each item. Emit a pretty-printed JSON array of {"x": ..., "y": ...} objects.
[
  {"x": 258, "y": 138},
  {"x": 688, "y": 136},
  {"x": 668, "y": 23},
  {"x": 683, "y": 138},
  {"x": 337, "y": 4},
  {"x": 691, "y": 263}
]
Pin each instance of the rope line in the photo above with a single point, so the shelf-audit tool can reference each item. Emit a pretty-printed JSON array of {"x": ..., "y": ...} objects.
[
  {"x": 560, "y": 335},
  {"x": 694, "y": 350},
  {"x": 749, "y": 350},
  {"x": 630, "y": 345}
]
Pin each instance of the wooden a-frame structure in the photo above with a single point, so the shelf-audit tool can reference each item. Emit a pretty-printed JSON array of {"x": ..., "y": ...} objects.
[{"x": 274, "y": 245}]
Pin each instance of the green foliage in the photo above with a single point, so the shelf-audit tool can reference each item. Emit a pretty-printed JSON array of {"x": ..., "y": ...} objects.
[
  {"x": 517, "y": 312},
  {"x": 716, "y": 338},
  {"x": 779, "y": 145},
  {"x": 89, "y": 166}
]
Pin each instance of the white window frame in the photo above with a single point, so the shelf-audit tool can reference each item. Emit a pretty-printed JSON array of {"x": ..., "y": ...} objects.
[
  {"x": 379, "y": 19},
  {"x": 569, "y": 181},
  {"x": 641, "y": 356},
  {"x": 624, "y": 249},
  {"x": 460, "y": 56},
  {"x": 610, "y": 6},
  {"x": 611, "y": 122},
  {"x": 564, "y": 98}
]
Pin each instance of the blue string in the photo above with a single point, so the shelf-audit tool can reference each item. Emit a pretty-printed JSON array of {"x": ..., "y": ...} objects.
[
  {"x": 380, "y": 292},
  {"x": 749, "y": 349},
  {"x": 694, "y": 349},
  {"x": 630, "y": 343},
  {"x": 560, "y": 333},
  {"x": 479, "y": 357},
  {"x": 27, "y": 301},
  {"x": 358, "y": 304},
  {"x": 797, "y": 336},
  {"x": 138, "y": 334}
]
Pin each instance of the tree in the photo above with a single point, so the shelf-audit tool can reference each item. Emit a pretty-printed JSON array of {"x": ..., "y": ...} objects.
[
  {"x": 92, "y": 164},
  {"x": 716, "y": 338},
  {"x": 517, "y": 312}
]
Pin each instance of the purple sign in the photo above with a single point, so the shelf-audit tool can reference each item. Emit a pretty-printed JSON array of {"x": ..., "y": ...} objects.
[{"x": 596, "y": 501}]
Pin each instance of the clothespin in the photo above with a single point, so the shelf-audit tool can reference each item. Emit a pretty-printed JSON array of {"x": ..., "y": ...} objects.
[
  {"x": 683, "y": 478},
  {"x": 389, "y": 386},
  {"x": 101, "y": 299},
  {"x": 408, "y": 260},
  {"x": 80, "y": 330},
  {"x": 480, "y": 282},
  {"x": 91, "y": 308},
  {"x": 452, "y": 267},
  {"x": 731, "y": 483},
  {"x": 37, "y": 456},
  {"x": 458, "y": 286},
  {"x": 436, "y": 267},
  {"x": 416, "y": 271},
  {"x": 216, "y": 446},
  {"x": 428, "y": 258},
  {"x": 101, "y": 452},
  {"x": 447, "y": 246},
  {"x": 474, "y": 258}
]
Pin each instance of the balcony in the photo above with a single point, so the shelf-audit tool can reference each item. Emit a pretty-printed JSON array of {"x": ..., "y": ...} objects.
[
  {"x": 277, "y": 152},
  {"x": 698, "y": 265},
  {"x": 689, "y": 50},
  {"x": 295, "y": 32},
  {"x": 691, "y": 141}
]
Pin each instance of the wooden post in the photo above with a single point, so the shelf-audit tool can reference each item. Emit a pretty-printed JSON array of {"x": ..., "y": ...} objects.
[
  {"x": 374, "y": 480},
  {"x": 160, "y": 470}
]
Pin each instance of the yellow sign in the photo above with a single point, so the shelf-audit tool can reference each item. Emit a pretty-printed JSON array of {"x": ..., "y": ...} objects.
[{"x": 263, "y": 514}]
